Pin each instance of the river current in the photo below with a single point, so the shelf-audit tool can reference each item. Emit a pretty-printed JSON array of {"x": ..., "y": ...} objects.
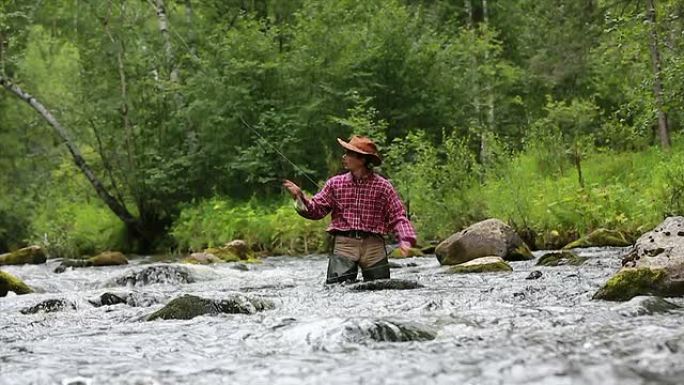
[{"x": 493, "y": 328}]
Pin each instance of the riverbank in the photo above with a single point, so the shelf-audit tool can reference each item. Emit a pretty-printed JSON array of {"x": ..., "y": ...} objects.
[{"x": 626, "y": 191}]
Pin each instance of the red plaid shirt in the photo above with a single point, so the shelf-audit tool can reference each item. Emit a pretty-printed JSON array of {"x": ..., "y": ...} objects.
[{"x": 370, "y": 204}]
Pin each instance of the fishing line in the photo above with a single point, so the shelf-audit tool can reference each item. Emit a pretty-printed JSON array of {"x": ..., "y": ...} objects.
[{"x": 279, "y": 153}]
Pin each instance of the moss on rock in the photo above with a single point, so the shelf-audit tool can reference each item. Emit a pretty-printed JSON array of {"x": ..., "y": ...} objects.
[
  {"x": 561, "y": 258},
  {"x": 631, "y": 282},
  {"x": 224, "y": 254},
  {"x": 600, "y": 237},
  {"x": 481, "y": 265},
  {"x": 520, "y": 253},
  {"x": 202, "y": 259},
  {"x": 8, "y": 283},
  {"x": 28, "y": 255},
  {"x": 413, "y": 252},
  {"x": 108, "y": 258}
]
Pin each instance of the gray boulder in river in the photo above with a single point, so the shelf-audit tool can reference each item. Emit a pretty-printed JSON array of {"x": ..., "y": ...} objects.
[
  {"x": 491, "y": 237},
  {"x": 653, "y": 266},
  {"x": 167, "y": 274},
  {"x": 190, "y": 306}
]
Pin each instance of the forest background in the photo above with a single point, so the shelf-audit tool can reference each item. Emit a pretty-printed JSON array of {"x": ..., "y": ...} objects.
[{"x": 158, "y": 125}]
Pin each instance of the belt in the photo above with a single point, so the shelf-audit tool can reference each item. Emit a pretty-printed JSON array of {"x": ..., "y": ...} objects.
[{"x": 358, "y": 234}]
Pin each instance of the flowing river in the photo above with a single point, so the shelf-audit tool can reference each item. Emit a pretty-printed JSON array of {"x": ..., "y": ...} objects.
[{"x": 494, "y": 328}]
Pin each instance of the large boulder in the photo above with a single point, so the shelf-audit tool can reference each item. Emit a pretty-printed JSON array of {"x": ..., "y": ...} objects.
[
  {"x": 190, "y": 306},
  {"x": 28, "y": 255},
  {"x": 481, "y": 265},
  {"x": 600, "y": 237},
  {"x": 490, "y": 237},
  {"x": 107, "y": 258},
  {"x": 8, "y": 283},
  {"x": 653, "y": 266}
]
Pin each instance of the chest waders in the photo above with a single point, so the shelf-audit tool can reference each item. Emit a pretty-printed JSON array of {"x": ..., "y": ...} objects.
[{"x": 354, "y": 249}]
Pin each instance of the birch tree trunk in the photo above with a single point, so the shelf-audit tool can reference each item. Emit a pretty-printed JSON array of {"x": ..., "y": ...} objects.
[
  {"x": 117, "y": 207},
  {"x": 189, "y": 17},
  {"x": 160, "y": 9},
  {"x": 490, "y": 96},
  {"x": 663, "y": 129}
]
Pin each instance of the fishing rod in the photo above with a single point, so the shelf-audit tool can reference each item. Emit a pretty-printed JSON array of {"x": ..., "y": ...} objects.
[{"x": 302, "y": 171}]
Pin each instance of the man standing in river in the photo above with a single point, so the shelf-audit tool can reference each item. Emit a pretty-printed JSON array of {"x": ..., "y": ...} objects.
[{"x": 364, "y": 207}]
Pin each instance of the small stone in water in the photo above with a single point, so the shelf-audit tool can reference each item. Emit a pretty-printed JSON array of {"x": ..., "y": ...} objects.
[{"x": 536, "y": 274}]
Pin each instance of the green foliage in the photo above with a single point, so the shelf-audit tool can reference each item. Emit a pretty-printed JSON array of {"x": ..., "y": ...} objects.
[
  {"x": 275, "y": 228},
  {"x": 541, "y": 113},
  {"x": 73, "y": 229}
]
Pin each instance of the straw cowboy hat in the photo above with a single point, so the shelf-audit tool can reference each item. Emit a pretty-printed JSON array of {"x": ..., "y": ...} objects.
[{"x": 362, "y": 145}]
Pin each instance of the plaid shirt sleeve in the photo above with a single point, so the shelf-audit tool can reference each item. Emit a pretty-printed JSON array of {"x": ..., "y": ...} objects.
[
  {"x": 320, "y": 204},
  {"x": 397, "y": 219}
]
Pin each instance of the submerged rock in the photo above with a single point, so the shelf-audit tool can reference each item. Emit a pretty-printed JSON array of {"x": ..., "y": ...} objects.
[
  {"x": 8, "y": 283},
  {"x": 385, "y": 284},
  {"x": 393, "y": 331},
  {"x": 600, "y": 237},
  {"x": 336, "y": 334},
  {"x": 644, "y": 305},
  {"x": 653, "y": 266},
  {"x": 491, "y": 237},
  {"x": 32, "y": 255},
  {"x": 49, "y": 306},
  {"x": 190, "y": 306},
  {"x": 168, "y": 274},
  {"x": 107, "y": 258},
  {"x": 559, "y": 258},
  {"x": 481, "y": 265}
]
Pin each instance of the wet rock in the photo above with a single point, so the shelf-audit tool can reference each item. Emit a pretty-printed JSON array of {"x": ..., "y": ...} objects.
[
  {"x": 166, "y": 274},
  {"x": 559, "y": 258},
  {"x": 134, "y": 299},
  {"x": 385, "y": 284},
  {"x": 8, "y": 283},
  {"x": 481, "y": 265},
  {"x": 413, "y": 252},
  {"x": 239, "y": 267},
  {"x": 202, "y": 259},
  {"x": 536, "y": 274},
  {"x": 190, "y": 306},
  {"x": 394, "y": 265},
  {"x": 644, "y": 305},
  {"x": 653, "y": 266},
  {"x": 600, "y": 237},
  {"x": 491, "y": 237},
  {"x": 49, "y": 306},
  {"x": 33, "y": 255},
  {"x": 107, "y": 258}
]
